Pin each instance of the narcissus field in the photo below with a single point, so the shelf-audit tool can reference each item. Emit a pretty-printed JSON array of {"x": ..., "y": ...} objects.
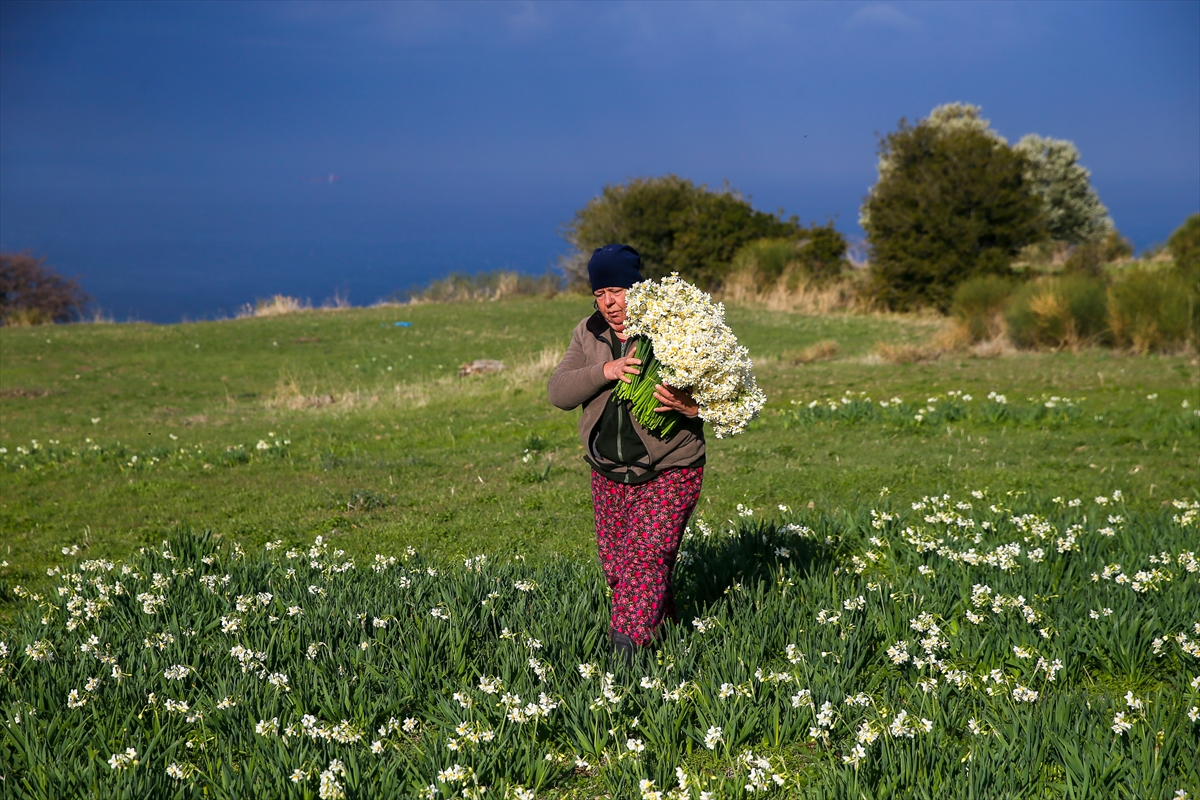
[{"x": 279, "y": 557}]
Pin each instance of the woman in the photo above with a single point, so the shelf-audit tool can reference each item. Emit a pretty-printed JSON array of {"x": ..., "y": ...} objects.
[{"x": 644, "y": 487}]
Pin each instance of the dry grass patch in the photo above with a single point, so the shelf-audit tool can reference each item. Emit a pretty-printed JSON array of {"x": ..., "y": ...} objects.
[
  {"x": 907, "y": 353},
  {"x": 274, "y": 306},
  {"x": 536, "y": 369},
  {"x": 992, "y": 348},
  {"x": 289, "y": 394},
  {"x": 821, "y": 351},
  {"x": 293, "y": 394},
  {"x": 19, "y": 391},
  {"x": 26, "y": 317},
  {"x": 338, "y": 302},
  {"x": 804, "y": 296},
  {"x": 491, "y": 286}
]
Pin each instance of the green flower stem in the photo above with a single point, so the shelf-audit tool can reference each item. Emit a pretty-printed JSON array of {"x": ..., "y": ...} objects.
[{"x": 640, "y": 393}]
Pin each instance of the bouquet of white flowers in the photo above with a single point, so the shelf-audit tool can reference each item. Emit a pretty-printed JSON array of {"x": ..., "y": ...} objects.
[{"x": 686, "y": 344}]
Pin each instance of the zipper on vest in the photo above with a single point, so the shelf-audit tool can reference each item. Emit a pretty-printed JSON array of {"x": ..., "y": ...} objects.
[{"x": 620, "y": 416}]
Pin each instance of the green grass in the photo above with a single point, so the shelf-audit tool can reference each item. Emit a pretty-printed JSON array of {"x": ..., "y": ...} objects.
[
  {"x": 239, "y": 442},
  {"x": 408, "y": 454}
]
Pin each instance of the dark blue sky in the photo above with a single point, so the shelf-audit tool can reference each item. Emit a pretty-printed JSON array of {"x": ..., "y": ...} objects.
[{"x": 169, "y": 153}]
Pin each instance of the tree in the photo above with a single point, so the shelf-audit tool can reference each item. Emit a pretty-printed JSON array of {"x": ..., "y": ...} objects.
[
  {"x": 32, "y": 294},
  {"x": 1072, "y": 209},
  {"x": 951, "y": 204},
  {"x": 944, "y": 119},
  {"x": 674, "y": 224}
]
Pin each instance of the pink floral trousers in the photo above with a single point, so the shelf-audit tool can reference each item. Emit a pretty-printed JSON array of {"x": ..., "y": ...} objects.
[{"x": 638, "y": 530}]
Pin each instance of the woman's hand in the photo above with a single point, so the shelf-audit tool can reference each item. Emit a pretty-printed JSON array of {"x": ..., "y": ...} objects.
[
  {"x": 622, "y": 368},
  {"x": 673, "y": 399}
]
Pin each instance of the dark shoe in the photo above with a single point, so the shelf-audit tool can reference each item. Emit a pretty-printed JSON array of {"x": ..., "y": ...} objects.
[{"x": 623, "y": 647}]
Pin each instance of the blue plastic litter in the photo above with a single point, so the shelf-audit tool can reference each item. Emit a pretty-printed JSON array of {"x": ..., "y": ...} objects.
[{"x": 403, "y": 324}]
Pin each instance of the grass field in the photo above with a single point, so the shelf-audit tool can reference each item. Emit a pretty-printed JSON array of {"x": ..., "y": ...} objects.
[
  {"x": 385, "y": 445},
  {"x": 270, "y": 432}
]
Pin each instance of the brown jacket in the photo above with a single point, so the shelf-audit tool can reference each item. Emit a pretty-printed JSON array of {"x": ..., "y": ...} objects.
[{"x": 579, "y": 380}]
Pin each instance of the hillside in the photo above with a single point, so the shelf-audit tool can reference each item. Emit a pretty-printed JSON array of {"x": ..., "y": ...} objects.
[
  {"x": 299, "y": 554},
  {"x": 346, "y": 424}
]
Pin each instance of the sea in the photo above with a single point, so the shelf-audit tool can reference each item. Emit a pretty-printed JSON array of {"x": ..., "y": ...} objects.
[{"x": 174, "y": 262}]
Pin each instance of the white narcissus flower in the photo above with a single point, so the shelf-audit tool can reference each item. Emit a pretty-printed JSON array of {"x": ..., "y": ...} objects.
[
  {"x": 177, "y": 672},
  {"x": 1023, "y": 694},
  {"x": 330, "y": 787},
  {"x": 713, "y": 737},
  {"x": 124, "y": 760}
]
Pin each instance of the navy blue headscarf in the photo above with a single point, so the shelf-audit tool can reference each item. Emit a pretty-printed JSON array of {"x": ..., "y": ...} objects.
[{"x": 614, "y": 265}]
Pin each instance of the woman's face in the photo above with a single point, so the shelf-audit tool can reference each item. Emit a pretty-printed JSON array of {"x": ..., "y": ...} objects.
[{"x": 611, "y": 302}]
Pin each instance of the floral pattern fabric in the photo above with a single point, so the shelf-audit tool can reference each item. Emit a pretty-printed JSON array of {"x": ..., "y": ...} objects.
[{"x": 638, "y": 530}]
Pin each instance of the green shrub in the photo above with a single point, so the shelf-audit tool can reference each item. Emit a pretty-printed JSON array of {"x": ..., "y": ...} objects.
[
  {"x": 765, "y": 259},
  {"x": 1068, "y": 311},
  {"x": 951, "y": 205},
  {"x": 1089, "y": 258},
  {"x": 1115, "y": 247},
  {"x": 821, "y": 252},
  {"x": 978, "y": 303},
  {"x": 32, "y": 293},
  {"x": 675, "y": 225},
  {"x": 1153, "y": 310},
  {"x": 817, "y": 253},
  {"x": 1184, "y": 245}
]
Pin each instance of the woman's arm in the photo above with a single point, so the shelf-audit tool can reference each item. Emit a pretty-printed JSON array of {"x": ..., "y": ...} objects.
[
  {"x": 577, "y": 379},
  {"x": 576, "y": 374}
]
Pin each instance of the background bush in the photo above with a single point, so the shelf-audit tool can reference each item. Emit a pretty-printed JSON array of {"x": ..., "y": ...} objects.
[
  {"x": 1090, "y": 258},
  {"x": 675, "y": 225},
  {"x": 1070, "y": 206},
  {"x": 978, "y": 305},
  {"x": 765, "y": 259},
  {"x": 1066, "y": 311},
  {"x": 817, "y": 255},
  {"x": 951, "y": 204},
  {"x": 1184, "y": 245},
  {"x": 1153, "y": 310},
  {"x": 33, "y": 294}
]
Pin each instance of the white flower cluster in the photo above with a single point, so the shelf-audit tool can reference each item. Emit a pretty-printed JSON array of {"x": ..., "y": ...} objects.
[
  {"x": 907, "y": 727},
  {"x": 697, "y": 350},
  {"x": 126, "y": 760},
  {"x": 331, "y": 788}
]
